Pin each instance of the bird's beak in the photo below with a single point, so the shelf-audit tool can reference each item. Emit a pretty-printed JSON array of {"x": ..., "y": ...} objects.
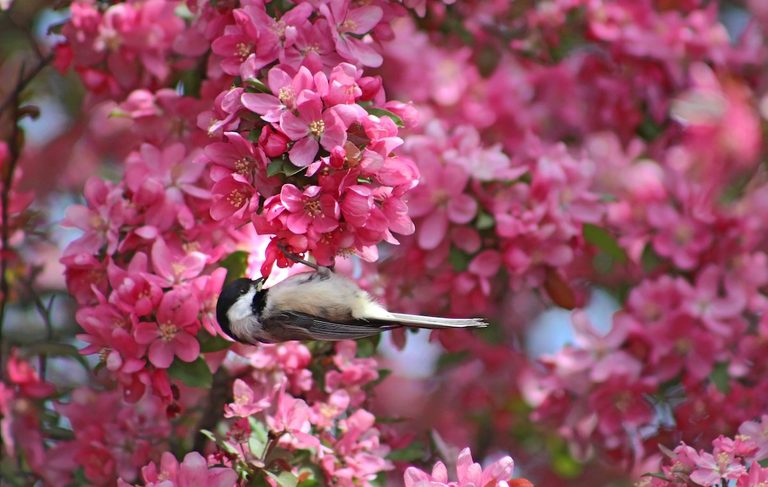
[{"x": 258, "y": 283}]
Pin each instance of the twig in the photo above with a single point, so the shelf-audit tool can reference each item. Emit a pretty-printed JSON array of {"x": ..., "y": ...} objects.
[
  {"x": 45, "y": 313},
  {"x": 5, "y": 195},
  {"x": 9, "y": 169},
  {"x": 24, "y": 80}
]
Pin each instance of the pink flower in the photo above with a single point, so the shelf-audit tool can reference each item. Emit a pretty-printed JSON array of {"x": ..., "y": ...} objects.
[
  {"x": 285, "y": 93},
  {"x": 309, "y": 209},
  {"x": 246, "y": 402},
  {"x": 312, "y": 124},
  {"x": 193, "y": 471},
  {"x": 440, "y": 199},
  {"x": 710, "y": 469},
  {"x": 469, "y": 474},
  {"x": 235, "y": 156},
  {"x": 232, "y": 197},
  {"x": 680, "y": 238},
  {"x": 173, "y": 334},
  {"x": 350, "y": 23}
]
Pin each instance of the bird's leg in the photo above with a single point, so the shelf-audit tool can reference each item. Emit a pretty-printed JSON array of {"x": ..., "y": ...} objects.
[{"x": 291, "y": 256}]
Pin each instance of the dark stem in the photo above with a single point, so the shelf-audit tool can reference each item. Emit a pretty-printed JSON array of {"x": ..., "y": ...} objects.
[
  {"x": 12, "y": 101},
  {"x": 45, "y": 313},
  {"x": 218, "y": 396}
]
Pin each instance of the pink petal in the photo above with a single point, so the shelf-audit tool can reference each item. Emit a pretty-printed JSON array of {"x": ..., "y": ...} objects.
[
  {"x": 364, "y": 18},
  {"x": 298, "y": 223},
  {"x": 161, "y": 354},
  {"x": 145, "y": 333},
  {"x": 186, "y": 346},
  {"x": 432, "y": 230},
  {"x": 261, "y": 103},
  {"x": 292, "y": 126},
  {"x": 292, "y": 198},
  {"x": 462, "y": 208},
  {"x": 304, "y": 151}
]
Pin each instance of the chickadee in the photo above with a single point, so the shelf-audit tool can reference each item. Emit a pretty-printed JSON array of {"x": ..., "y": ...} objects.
[{"x": 320, "y": 305}]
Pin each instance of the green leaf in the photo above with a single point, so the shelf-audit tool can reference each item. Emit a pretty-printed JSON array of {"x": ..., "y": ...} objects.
[
  {"x": 604, "y": 241},
  {"x": 192, "y": 374},
  {"x": 650, "y": 260},
  {"x": 257, "y": 85},
  {"x": 310, "y": 482},
  {"x": 410, "y": 453},
  {"x": 210, "y": 343},
  {"x": 720, "y": 377},
  {"x": 275, "y": 167},
  {"x": 291, "y": 170},
  {"x": 459, "y": 260},
  {"x": 280, "y": 166},
  {"x": 484, "y": 221},
  {"x": 236, "y": 264},
  {"x": 259, "y": 437},
  {"x": 381, "y": 112},
  {"x": 284, "y": 479}
]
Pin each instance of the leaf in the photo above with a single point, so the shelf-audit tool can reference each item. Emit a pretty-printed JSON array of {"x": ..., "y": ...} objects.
[
  {"x": 720, "y": 377},
  {"x": 412, "y": 452},
  {"x": 236, "y": 264},
  {"x": 281, "y": 166},
  {"x": 459, "y": 260},
  {"x": 284, "y": 479},
  {"x": 257, "y": 85},
  {"x": 604, "y": 241},
  {"x": 291, "y": 170},
  {"x": 192, "y": 374},
  {"x": 275, "y": 167},
  {"x": 210, "y": 343},
  {"x": 259, "y": 437},
  {"x": 484, "y": 221},
  {"x": 650, "y": 260},
  {"x": 381, "y": 112}
]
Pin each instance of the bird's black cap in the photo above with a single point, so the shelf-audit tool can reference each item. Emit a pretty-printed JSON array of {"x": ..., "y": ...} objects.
[{"x": 229, "y": 294}]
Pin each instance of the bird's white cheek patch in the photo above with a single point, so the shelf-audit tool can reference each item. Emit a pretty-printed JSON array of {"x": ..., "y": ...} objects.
[{"x": 242, "y": 307}]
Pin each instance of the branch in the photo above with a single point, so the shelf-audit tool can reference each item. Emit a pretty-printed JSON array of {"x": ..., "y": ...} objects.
[{"x": 12, "y": 102}]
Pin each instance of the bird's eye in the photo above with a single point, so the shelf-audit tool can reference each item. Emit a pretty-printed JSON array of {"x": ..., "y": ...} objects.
[{"x": 243, "y": 290}]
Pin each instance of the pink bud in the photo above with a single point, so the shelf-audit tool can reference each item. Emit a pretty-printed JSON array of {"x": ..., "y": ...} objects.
[{"x": 274, "y": 143}]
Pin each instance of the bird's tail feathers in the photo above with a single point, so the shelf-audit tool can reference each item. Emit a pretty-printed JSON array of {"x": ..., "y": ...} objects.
[{"x": 433, "y": 322}]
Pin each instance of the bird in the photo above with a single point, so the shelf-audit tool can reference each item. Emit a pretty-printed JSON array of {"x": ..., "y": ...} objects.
[{"x": 317, "y": 305}]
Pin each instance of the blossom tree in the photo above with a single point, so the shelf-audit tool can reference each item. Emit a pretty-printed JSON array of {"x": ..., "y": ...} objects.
[{"x": 475, "y": 158}]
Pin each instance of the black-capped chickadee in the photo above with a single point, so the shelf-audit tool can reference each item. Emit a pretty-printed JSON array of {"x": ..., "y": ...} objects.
[{"x": 320, "y": 305}]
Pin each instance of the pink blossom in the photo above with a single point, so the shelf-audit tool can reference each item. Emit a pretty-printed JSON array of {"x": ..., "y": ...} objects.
[
  {"x": 468, "y": 473},
  {"x": 173, "y": 334},
  {"x": 440, "y": 199},
  {"x": 310, "y": 208},
  {"x": 350, "y": 23},
  {"x": 285, "y": 92},
  {"x": 193, "y": 471},
  {"x": 312, "y": 124}
]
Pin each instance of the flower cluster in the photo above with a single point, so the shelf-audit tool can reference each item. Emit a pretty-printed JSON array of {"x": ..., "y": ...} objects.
[
  {"x": 731, "y": 461},
  {"x": 148, "y": 308},
  {"x": 468, "y": 473},
  {"x": 124, "y": 46},
  {"x": 282, "y": 412},
  {"x": 320, "y": 175}
]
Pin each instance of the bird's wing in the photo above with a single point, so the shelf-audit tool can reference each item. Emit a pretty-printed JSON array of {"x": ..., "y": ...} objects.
[{"x": 300, "y": 326}]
